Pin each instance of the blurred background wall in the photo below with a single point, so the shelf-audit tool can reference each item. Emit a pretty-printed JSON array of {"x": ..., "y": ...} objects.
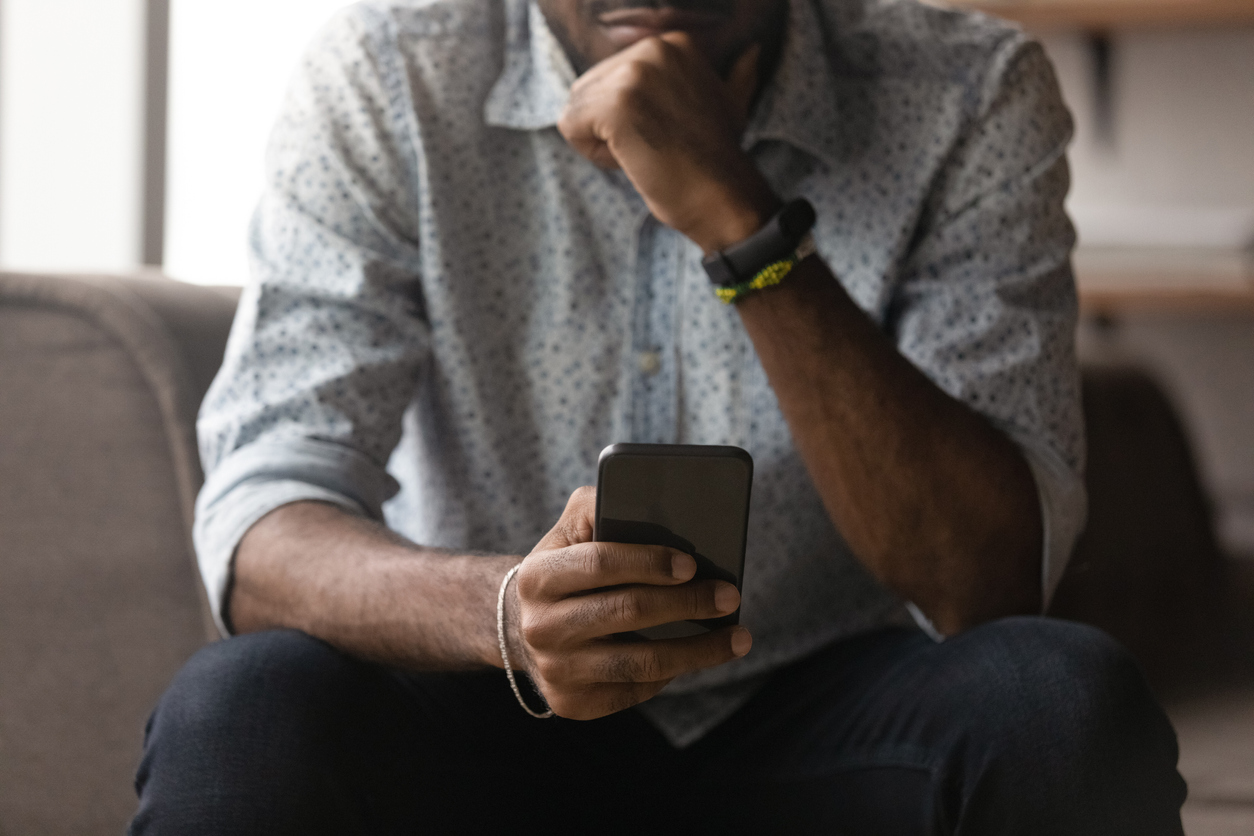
[
  {"x": 132, "y": 133},
  {"x": 1173, "y": 165},
  {"x": 1163, "y": 198}
]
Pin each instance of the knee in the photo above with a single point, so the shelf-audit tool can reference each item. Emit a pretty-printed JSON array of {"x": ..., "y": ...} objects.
[
  {"x": 1055, "y": 664},
  {"x": 250, "y": 681},
  {"x": 247, "y": 733},
  {"x": 1060, "y": 681},
  {"x": 1062, "y": 721}
]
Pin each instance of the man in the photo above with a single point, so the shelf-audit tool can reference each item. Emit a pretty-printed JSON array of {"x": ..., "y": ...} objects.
[{"x": 478, "y": 261}]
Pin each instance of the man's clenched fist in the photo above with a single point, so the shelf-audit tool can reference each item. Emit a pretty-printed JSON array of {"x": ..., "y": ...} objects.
[{"x": 658, "y": 111}]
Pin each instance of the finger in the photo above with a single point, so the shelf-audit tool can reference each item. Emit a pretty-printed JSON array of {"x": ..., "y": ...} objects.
[
  {"x": 556, "y": 574},
  {"x": 576, "y": 125},
  {"x": 602, "y": 699},
  {"x": 681, "y": 39},
  {"x": 678, "y": 37},
  {"x": 592, "y": 100},
  {"x": 591, "y": 148},
  {"x": 601, "y": 156},
  {"x": 661, "y": 660},
  {"x": 576, "y": 523},
  {"x": 626, "y": 609},
  {"x": 742, "y": 82}
]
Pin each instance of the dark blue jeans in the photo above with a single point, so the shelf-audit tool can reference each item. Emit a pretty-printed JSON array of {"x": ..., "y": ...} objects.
[{"x": 1022, "y": 726}]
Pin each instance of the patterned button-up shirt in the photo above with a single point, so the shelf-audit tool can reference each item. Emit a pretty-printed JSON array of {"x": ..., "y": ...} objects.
[{"x": 451, "y": 312}]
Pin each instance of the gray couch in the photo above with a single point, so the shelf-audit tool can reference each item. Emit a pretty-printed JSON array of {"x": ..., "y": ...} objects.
[{"x": 100, "y": 378}]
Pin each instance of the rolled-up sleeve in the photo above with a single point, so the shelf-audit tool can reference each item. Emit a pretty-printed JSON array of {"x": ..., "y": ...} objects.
[
  {"x": 986, "y": 304},
  {"x": 330, "y": 341}
]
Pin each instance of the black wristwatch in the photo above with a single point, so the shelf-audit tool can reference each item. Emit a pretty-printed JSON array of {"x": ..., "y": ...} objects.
[{"x": 775, "y": 241}]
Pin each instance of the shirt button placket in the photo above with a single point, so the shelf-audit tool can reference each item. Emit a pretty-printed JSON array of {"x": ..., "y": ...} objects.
[{"x": 649, "y": 362}]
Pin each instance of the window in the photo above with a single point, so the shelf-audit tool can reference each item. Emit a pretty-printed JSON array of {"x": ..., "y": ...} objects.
[
  {"x": 75, "y": 78},
  {"x": 230, "y": 61}
]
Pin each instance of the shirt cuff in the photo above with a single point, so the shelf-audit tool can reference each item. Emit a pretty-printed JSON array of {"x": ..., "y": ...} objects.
[
  {"x": 254, "y": 480},
  {"x": 1064, "y": 511}
]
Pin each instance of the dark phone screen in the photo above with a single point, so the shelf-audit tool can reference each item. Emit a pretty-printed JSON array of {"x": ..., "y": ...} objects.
[{"x": 688, "y": 497}]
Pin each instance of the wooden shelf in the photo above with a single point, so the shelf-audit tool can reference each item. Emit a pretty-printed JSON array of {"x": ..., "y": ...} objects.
[
  {"x": 1164, "y": 280},
  {"x": 1043, "y": 15}
]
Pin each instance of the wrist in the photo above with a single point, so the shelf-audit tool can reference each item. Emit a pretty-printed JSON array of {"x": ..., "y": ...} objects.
[
  {"x": 730, "y": 216},
  {"x": 766, "y": 257},
  {"x": 504, "y": 645},
  {"x": 519, "y": 654}
]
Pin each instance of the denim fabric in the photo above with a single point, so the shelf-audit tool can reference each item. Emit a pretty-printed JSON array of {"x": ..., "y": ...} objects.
[{"x": 1022, "y": 726}]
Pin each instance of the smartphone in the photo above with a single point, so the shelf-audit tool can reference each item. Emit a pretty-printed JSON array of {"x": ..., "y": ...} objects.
[{"x": 690, "y": 497}]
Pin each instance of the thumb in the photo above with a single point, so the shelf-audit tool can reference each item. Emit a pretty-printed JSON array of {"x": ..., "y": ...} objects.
[
  {"x": 576, "y": 523},
  {"x": 742, "y": 82}
]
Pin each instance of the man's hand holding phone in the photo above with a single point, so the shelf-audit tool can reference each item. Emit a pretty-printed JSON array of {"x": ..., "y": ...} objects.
[{"x": 574, "y": 598}]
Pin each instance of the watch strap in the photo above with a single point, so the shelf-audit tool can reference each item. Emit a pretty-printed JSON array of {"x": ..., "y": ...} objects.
[{"x": 777, "y": 239}]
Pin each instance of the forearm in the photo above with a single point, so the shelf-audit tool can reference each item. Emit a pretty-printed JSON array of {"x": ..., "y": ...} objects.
[
  {"x": 366, "y": 590},
  {"x": 369, "y": 592},
  {"x": 940, "y": 505}
]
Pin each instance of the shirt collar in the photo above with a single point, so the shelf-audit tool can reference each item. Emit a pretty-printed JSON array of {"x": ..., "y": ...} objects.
[
  {"x": 535, "y": 84},
  {"x": 798, "y": 105}
]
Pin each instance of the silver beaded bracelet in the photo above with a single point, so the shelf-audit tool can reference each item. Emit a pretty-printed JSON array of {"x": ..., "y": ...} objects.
[{"x": 500, "y": 637}]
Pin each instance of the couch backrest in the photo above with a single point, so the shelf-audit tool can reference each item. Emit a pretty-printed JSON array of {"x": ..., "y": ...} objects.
[{"x": 99, "y": 603}]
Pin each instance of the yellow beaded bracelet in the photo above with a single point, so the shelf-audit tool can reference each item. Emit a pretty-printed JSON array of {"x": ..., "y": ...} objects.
[{"x": 769, "y": 276}]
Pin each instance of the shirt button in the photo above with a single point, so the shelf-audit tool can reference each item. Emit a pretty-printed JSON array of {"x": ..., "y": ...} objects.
[{"x": 650, "y": 362}]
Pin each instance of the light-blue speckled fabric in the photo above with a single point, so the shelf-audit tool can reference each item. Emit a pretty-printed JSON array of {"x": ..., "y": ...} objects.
[{"x": 449, "y": 302}]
